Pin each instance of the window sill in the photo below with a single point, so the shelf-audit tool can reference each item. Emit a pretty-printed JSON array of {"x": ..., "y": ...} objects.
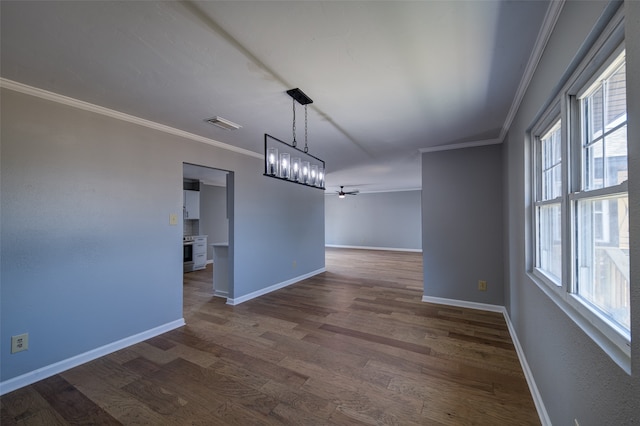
[{"x": 588, "y": 322}]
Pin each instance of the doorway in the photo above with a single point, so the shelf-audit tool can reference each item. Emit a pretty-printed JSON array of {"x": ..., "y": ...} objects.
[{"x": 208, "y": 224}]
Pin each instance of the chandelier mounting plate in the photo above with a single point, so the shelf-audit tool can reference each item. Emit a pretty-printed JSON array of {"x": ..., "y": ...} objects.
[{"x": 299, "y": 96}]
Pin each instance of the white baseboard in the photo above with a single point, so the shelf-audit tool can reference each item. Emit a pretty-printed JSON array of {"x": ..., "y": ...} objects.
[
  {"x": 274, "y": 287},
  {"x": 537, "y": 398},
  {"x": 374, "y": 248},
  {"x": 535, "y": 394},
  {"x": 66, "y": 364},
  {"x": 463, "y": 304}
]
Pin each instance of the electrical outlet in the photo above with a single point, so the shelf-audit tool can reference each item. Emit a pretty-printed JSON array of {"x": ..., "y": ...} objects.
[
  {"x": 19, "y": 343},
  {"x": 482, "y": 285},
  {"x": 294, "y": 264},
  {"x": 173, "y": 219}
]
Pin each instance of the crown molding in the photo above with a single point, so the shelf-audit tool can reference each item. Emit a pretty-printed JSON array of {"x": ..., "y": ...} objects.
[
  {"x": 380, "y": 191},
  {"x": 86, "y": 106},
  {"x": 332, "y": 193},
  {"x": 450, "y": 147},
  {"x": 548, "y": 24}
]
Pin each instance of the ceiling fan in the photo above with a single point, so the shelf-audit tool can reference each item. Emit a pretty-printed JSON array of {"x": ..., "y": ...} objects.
[{"x": 342, "y": 193}]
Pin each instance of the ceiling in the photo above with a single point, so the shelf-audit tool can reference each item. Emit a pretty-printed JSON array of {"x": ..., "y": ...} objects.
[
  {"x": 206, "y": 175},
  {"x": 387, "y": 78}
]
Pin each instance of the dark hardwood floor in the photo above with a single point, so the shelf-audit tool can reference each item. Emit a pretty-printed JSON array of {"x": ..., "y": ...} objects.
[{"x": 354, "y": 345}]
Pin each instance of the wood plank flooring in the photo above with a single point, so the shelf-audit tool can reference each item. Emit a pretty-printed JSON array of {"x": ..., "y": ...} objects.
[{"x": 352, "y": 346}]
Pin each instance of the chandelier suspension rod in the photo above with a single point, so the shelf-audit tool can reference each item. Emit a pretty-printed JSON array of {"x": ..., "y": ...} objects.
[
  {"x": 306, "y": 145},
  {"x": 295, "y": 143}
]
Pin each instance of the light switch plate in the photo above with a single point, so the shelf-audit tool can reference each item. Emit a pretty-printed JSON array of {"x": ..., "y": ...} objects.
[{"x": 173, "y": 219}]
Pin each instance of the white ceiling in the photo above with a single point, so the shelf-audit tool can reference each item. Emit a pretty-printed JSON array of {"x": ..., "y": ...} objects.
[
  {"x": 387, "y": 77},
  {"x": 205, "y": 175}
]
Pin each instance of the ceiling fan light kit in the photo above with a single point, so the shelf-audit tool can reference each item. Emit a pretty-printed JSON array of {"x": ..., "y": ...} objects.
[{"x": 289, "y": 163}]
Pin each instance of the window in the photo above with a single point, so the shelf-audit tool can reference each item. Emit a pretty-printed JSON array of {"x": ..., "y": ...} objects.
[
  {"x": 601, "y": 200},
  {"x": 580, "y": 206},
  {"x": 548, "y": 204}
]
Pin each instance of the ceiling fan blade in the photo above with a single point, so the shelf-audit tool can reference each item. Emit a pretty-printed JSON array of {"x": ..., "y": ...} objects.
[{"x": 342, "y": 192}]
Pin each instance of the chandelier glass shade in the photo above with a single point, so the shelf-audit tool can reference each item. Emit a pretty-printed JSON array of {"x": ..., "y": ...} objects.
[{"x": 286, "y": 162}]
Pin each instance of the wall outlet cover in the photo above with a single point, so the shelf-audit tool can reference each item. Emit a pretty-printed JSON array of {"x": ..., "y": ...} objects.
[{"x": 19, "y": 343}]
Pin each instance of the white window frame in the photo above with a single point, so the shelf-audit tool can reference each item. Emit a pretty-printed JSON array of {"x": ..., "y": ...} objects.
[
  {"x": 615, "y": 341},
  {"x": 548, "y": 122},
  {"x": 616, "y": 334}
]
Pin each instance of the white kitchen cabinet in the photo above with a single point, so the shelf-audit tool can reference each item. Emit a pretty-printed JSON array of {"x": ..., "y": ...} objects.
[
  {"x": 199, "y": 252},
  {"x": 191, "y": 200}
]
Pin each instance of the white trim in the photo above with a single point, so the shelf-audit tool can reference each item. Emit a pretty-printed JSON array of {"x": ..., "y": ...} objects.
[
  {"x": 606, "y": 192},
  {"x": 274, "y": 287},
  {"x": 390, "y": 190},
  {"x": 66, "y": 364},
  {"x": 535, "y": 394},
  {"x": 450, "y": 147},
  {"x": 548, "y": 24},
  {"x": 374, "y": 248},
  {"x": 463, "y": 304},
  {"x": 86, "y": 106},
  {"x": 588, "y": 322}
]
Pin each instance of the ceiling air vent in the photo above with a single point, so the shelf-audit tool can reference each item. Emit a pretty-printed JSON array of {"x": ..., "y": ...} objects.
[{"x": 223, "y": 123}]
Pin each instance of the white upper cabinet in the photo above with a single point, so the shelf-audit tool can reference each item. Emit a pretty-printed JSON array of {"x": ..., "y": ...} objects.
[{"x": 191, "y": 200}]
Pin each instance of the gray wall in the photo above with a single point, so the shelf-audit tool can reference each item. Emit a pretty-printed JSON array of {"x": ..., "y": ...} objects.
[
  {"x": 213, "y": 215},
  {"x": 462, "y": 224},
  {"x": 88, "y": 255},
  {"x": 576, "y": 379},
  {"x": 380, "y": 220}
]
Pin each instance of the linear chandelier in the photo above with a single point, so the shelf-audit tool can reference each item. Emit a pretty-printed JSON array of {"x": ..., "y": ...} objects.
[{"x": 288, "y": 162}]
